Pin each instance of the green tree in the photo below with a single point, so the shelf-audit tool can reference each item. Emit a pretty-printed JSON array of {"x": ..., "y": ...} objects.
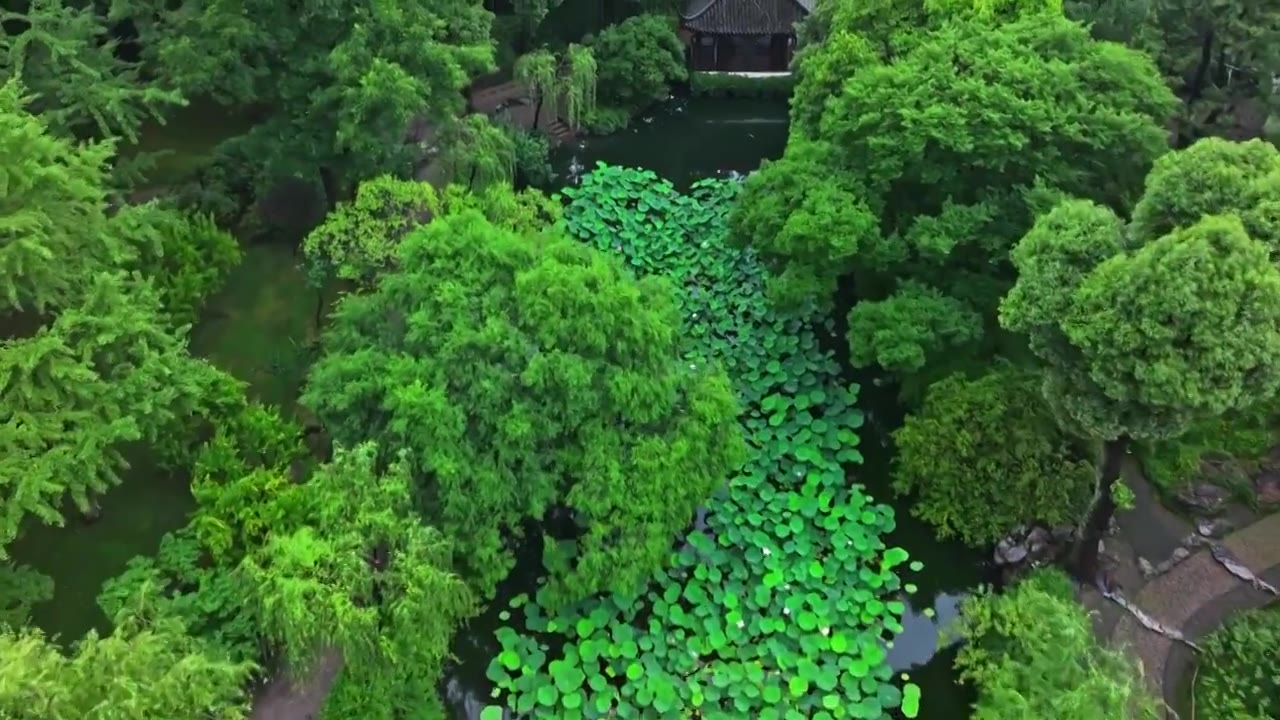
[
  {"x": 524, "y": 373},
  {"x": 65, "y": 54},
  {"x": 1218, "y": 57},
  {"x": 89, "y": 357},
  {"x": 366, "y": 577},
  {"x": 143, "y": 670},
  {"x": 343, "y": 80},
  {"x": 637, "y": 60},
  {"x": 983, "y": 455},
  {"x": 361, "y": 239},
  {"x": 916, "y": 160},
  {"x": 1213, "y": 176},
  {"x": 1032, "y": 653},
  {"x": 569, "y": 78},
  {"x": 1142, "y": 339}
]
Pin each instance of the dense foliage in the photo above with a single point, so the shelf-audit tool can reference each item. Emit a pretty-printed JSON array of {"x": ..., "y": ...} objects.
[
  {"x": 523, "y": 374},
  {"x": 637, "y": 61},
  {"x": 781, "y": 604},
  {"x": 1236, "y": 678},
  {"x": 640, "y": 383},
  {"x": 343, "y": 81},
  {"x": 365, "y": 577},
  {"x": 983, "y": 455},
  {"x": 90, "y": 359},
  {"x": 1143, "y": 336},
  {"x": 916, "y": 160},
  {"x": 361, "y": 239},
  {"x": 101, "y": 678},
  {"x": 1031, "y": 652}
]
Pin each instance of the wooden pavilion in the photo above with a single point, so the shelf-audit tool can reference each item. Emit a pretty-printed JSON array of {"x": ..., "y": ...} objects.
[{"x": 756, "y": 36}]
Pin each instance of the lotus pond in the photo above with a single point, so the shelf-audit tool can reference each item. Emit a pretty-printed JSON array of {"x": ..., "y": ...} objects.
[{"x": 798, "y": 595}]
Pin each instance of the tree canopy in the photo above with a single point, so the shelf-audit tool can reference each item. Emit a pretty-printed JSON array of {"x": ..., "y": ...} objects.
[
  {"x": 90, "y": 358},
  {"x": 983, "y": 456},
  {"x": 523, "y": 373},
  {"x": 143, "y": 670},
  {"x": 363, "y": 576},
  {"x": 915, "y": 163},
  {"x": 1031, "y": 652},
  {"x": 1141, "y": 337},
  {"x": 342, "y": 81}
]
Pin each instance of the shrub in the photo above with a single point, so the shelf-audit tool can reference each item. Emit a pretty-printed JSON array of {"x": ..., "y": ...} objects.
[
  {"x": 984, "y": 455},
  {"x": 533, "y": 158},
  {"x": 1237, "y": 678},
  {"x": 637, "y": 60},
  {"x": 1243, "y": 437},
  {"x": 606, "y": 120},
  {"x": 722, "y": 85},
  {"x": 1032, "y": 653}
]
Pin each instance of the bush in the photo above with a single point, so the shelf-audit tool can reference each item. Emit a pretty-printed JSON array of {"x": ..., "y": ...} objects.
[
  {"x": 1242, "y": 438},
  {"x": 722, "y": 85},
  {"x": 533, "y": 158},
  {"x": 984, "y": 455},
  {"x": 1032, "y": 653},
  {"x": 637, "y": 60},
  {"x": 1237, "y": 678},
  {"x": 602, "y": 120}
]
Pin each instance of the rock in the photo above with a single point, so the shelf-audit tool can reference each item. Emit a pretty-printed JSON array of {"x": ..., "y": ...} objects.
[
  {"x": 1038, "y": 541},
  {"x": 1010, "y": 552},
  {"x": 1267, "y": 488},
  {"x": 1145, "y": 566},
  {"x": 1179, "y": 554},
  {"x": 1195, "y": 540},
  {"x": 1203, "y": 498},
  {"x": 1214, "y": 528}
]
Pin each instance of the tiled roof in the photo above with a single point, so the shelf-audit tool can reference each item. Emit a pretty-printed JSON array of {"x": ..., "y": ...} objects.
[{"x": 745, "y": 17}]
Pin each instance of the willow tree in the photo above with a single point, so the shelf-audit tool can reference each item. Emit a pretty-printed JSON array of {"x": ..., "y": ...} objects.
[
  {"x": 146, "y": 668},
  {"x": 523, "y": 375},
  {"x": 366, "y": 577},
  {"x": 569, "y": 78}
]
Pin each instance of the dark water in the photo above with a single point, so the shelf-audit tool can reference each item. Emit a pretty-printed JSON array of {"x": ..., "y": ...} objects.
[
  {"x": 683, "y": 141},
  {"x": 686, "y": 139}
]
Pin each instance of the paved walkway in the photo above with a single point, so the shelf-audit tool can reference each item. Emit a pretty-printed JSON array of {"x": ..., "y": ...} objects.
[{"x": 1195, "y": 596}]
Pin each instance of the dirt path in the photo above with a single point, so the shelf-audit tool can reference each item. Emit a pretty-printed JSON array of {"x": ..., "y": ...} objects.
[{"x": 281, "y": 699}]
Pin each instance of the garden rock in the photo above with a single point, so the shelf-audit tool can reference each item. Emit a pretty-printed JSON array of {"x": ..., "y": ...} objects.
[
  {"x": 1203, "y": 498},
  {"x": 1032, "y": 546},
  {"x": 1144, "y": 565},
  {"x": 1267, "y": 488},
  {"x": 1214, "y": 528}
]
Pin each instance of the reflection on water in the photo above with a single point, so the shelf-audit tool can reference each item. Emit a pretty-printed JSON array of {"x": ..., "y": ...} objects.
[
  {"x": 685, "y": 140},
  {"x": 923, "y": 635}
]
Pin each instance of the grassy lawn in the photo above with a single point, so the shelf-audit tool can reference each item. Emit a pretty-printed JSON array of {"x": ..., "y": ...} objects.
[{"x": 259, "y": 326}]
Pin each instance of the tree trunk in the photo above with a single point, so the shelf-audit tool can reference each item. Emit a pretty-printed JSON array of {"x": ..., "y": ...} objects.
[
  {"x": 1084, "y": 561},
  {"x": 1195, "y": 88},
  {"x": 332, "y": 192},
  {"x": 537, "y": 111}
]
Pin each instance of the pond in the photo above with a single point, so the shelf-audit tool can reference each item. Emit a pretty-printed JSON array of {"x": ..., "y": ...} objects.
[{"x": 685, "y": 140}]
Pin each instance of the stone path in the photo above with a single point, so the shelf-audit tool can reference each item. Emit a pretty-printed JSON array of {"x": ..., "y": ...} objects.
[{"x": 1195, "y": 596}]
